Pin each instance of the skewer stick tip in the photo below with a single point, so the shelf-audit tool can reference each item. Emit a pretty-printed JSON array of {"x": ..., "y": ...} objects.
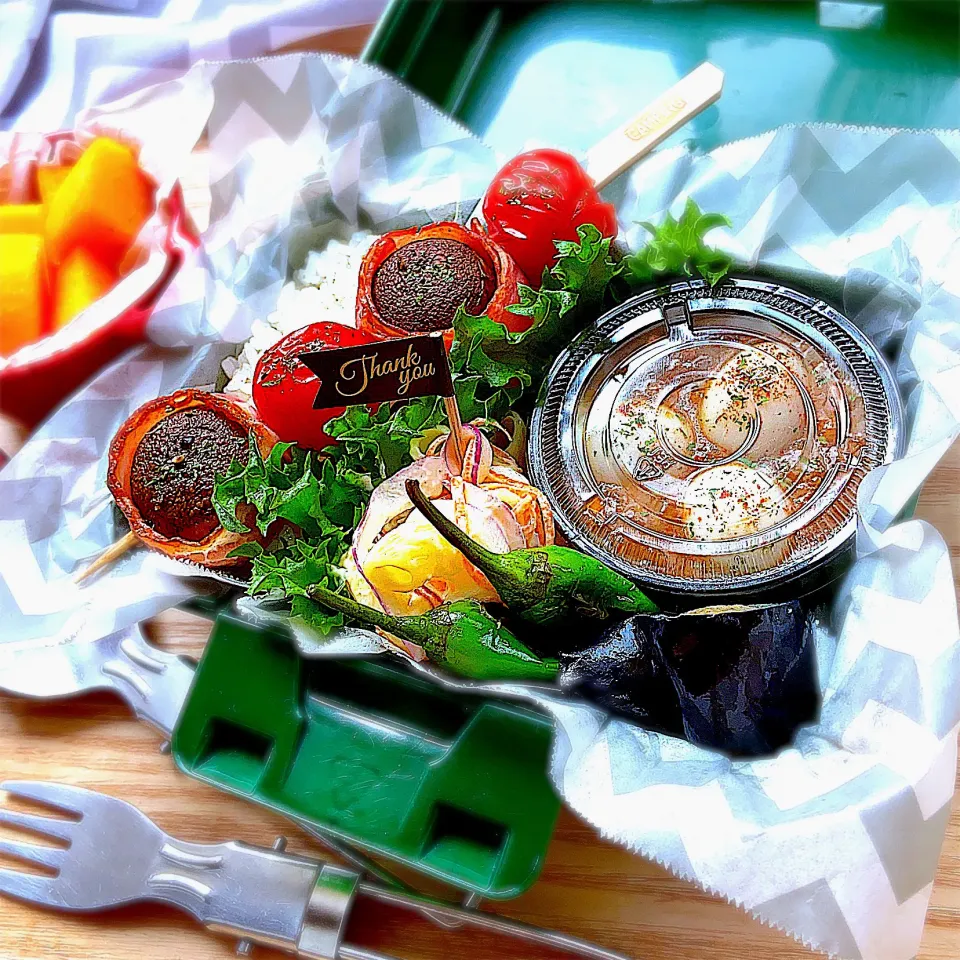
[
  {"x": 112, "y": 553},
  {"x": 456, "y": 429}
]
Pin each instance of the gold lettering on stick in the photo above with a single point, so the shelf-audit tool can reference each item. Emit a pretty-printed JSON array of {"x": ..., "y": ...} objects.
[{"x": 658, "y": 116}]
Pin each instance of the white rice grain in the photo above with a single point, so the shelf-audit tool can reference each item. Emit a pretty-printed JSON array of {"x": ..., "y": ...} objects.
[{"x": 324, "y": 289}]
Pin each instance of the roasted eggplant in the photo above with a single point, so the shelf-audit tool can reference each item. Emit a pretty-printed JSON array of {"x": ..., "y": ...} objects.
[{"x": 737, "y": 679}]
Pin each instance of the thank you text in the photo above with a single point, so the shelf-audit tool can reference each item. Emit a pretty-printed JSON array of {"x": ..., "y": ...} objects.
[{"x": 381, "y": 371}]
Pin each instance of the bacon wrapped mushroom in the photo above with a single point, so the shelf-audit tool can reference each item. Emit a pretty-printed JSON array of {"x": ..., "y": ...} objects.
[
  {"x": 414, "y": 281},
  {"x": 162, "y": 465}
]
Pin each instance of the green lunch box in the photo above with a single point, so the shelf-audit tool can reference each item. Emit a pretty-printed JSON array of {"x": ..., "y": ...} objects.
[
  {"x": 454, "y": 786},
  {"x": 564, "y": 74}
]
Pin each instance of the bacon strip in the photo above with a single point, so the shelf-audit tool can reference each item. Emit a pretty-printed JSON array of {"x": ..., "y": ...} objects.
[
  {"x": 506, "y": 273},
  {"x": 213, "y": 550}
]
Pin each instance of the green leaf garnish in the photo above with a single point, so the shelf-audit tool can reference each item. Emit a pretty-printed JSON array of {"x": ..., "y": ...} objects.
[
  {"x": 676, "y": 247},
  {"x": 304, "y": 565},
  {"x": 282, "y": 486},
  {"x": 378, "y": 443},
  {"x": 504, "y": 364},
  {"x": 321, "y": 497}
]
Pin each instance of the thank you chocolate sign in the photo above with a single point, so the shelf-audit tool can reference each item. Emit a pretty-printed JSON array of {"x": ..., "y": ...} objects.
[{"x": 381, "y": 371}]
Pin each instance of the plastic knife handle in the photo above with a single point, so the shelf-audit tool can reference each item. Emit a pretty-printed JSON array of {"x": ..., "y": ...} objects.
[{"x": 641, "y": 133}]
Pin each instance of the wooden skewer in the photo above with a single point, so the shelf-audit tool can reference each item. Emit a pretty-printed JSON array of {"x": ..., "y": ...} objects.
[
  {"x": 633, "y": 140},
  {"x": 113, "y": 552},
  {"x": 456, "y": 429},
  {"x": 651, "y": 126}
]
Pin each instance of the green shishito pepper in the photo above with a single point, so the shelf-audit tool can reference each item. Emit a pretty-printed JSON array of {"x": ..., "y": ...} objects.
[
  {"x": 459, "y": 635},
  {"x": 542, "y": 585}
]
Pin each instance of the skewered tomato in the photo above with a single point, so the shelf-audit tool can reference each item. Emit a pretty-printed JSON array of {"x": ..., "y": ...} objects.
[
  {"x": 537, "y": 198},
  {"x": 284, "y": 388}
]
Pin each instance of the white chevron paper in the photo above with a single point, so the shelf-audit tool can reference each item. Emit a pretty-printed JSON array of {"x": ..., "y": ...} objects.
[
  {"x": 835, "y": 840},
  {"x": 57, "y": 57}
]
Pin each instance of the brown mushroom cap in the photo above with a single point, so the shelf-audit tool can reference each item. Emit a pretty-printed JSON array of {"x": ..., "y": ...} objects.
[
  {"x": 420, "y": 286},
  {"x": 168, "y": 505}
]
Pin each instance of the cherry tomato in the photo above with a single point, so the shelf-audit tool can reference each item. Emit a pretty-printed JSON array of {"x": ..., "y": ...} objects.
[
  {"x": 537, "y": 198},
  {"x": 284, "y": 387}
]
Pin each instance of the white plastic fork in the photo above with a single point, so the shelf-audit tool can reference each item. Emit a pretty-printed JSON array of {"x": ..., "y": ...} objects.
[{"x": 153, "y": 682}]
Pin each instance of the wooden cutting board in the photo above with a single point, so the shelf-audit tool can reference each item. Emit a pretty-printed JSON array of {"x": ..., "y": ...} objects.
[{"x": 589, "y": 888}]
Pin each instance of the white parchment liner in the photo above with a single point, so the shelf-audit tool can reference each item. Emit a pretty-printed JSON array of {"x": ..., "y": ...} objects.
[{"x": 835, "y": 840}]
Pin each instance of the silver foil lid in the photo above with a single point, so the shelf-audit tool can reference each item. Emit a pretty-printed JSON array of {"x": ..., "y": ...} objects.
[{"x": 713, "y": 440}]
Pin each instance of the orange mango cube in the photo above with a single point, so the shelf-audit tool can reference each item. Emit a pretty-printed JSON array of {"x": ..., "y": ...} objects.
[
  {"x": 49, "y": 178},
  {"x": 81, "y": 280},
  {"x": 21, "y": 218},
  {"x": 101, "y": 205},
  {"x": 23, "y": 290}
]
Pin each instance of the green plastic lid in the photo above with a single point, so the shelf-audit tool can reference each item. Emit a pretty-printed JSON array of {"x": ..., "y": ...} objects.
[{"x": 567, "y": 73}]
